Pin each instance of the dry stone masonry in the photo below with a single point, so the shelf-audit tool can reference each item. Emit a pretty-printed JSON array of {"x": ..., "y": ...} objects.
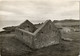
[
  {"x": 27, "y": 26},
  {"x": 44, "y": 36}
]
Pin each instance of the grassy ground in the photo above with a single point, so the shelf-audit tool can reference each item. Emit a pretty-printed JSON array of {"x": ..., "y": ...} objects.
[
  {"x": 3, "y": 36},
  {"x": 1, "y": 40},
  {"x": 12, "y": 45},
  {"x": 73, "y": 35}
]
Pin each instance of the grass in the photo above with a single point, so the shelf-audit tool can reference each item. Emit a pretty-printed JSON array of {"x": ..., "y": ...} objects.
[
  {"x": 2, "y": 37},
  {"x": 11, "y": 45},
  {"x": 73, "y": 35},
  {"x": 1, "y": 40}
]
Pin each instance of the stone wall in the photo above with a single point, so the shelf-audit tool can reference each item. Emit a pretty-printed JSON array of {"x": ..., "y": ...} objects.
[
  {"x": 47, "y": 35},
  {"x": 28, "y": 26},
  {"x": 44, "y": 36},
  {"x": 24, "y": 37}
]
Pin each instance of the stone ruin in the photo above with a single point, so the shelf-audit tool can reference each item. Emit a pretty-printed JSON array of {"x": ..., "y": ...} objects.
[
  {"x": 27, "y": 26},
  {"x": 44, "y": 36},
  {"x": 43, "y": 41}
]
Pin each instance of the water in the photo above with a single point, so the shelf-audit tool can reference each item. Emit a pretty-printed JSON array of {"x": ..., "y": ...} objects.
[
  {"x": 5, "y": 23},
  {"x": 8, "y": 23}
]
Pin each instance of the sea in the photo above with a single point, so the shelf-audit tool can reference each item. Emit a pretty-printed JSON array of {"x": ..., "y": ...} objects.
[{"x": 8, "y": 23}]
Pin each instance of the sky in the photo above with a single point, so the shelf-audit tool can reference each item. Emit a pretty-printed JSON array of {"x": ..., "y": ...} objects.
[{"x": 13, "y": 12}]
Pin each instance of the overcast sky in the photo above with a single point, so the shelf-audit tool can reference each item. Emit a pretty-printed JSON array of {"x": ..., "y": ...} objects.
[{"x": 38, "y": 10}]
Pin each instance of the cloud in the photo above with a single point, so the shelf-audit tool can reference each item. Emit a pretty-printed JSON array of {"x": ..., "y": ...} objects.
[
  {"x": 40, "y": 9},
  {"x": 13, "y": 12},
  {"x": 6, "y": 13}
]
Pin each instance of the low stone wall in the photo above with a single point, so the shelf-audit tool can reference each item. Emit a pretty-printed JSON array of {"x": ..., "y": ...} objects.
[{"x": 24, "y": 37}]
